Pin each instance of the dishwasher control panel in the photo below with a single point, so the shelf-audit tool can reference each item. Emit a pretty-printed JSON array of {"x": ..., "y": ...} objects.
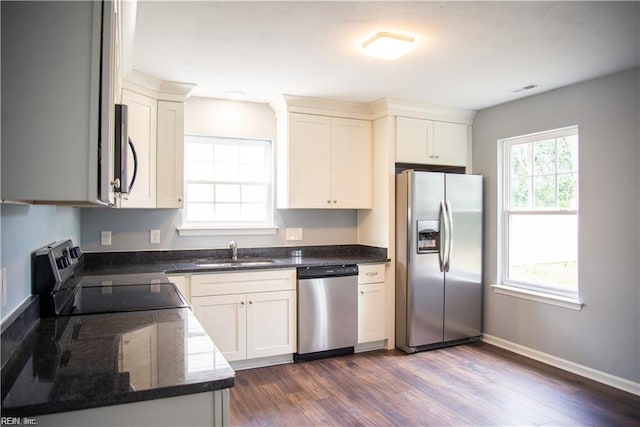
[{"x": 331, "y": 271}]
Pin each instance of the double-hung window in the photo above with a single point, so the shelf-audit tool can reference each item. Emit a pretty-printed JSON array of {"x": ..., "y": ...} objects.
[
  {"x": 228, "y": 183},
  {"x": 539, "y": 248}
]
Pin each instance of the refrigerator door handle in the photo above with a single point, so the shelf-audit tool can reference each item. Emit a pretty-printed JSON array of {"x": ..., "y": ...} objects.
[
  {"x": 449, "y": 236},
  {"x": 444, "y": 239}
]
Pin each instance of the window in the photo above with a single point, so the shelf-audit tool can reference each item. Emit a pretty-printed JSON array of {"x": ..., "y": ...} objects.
[
  {"x": 540, "y": 212},
  {"x": 228, "y": 183}
]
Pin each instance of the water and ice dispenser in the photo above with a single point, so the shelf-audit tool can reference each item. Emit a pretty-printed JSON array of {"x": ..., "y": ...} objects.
[{"x": 428, "y": 236}]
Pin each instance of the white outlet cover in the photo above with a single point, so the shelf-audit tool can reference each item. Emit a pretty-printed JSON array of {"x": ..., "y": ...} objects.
[
  {"x": 154, "y": 237},
  {"x": 105, "y": 238},
  {"x": 293, "y": 233}
]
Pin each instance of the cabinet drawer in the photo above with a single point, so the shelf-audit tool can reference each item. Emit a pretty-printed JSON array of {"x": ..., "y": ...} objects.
[
  {"x": 225, "y": 283},
  {"x": 370, "y": 273}
]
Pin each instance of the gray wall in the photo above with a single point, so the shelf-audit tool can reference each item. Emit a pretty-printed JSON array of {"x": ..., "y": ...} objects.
[
  {"x": 605, "y": 335},
  {"x": 25, "y": 229},
  {"x": 130, "y": 230}
]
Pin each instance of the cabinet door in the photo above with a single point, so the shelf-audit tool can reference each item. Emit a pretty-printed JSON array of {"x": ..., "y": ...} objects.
[
  {"x": 225, "y": 320},
  {"x": 414, "y": 141},
  {"x": 450, "y": 143},
  {"x": 352, "y": 164},
  {"x": 271, "y": 323},
  {"x": 371, "y": 312},
  {"x": 170, "y": 173},
  {"x": 143, "y": 112},
  {"x": 309, "y": 161}
]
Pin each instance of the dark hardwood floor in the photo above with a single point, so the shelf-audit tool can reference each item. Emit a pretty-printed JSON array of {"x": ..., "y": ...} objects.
[{"x": 473, "y": 384}]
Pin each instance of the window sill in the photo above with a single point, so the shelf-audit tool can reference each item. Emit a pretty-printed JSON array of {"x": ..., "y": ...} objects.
[
  {"x": 558, "y": 301},
  {"x": 241, "y": 231}
]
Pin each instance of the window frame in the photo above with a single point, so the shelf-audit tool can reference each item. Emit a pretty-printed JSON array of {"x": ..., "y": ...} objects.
[
  {"x": 507, "y": 213},
  {"x": 225, "y": 227}
]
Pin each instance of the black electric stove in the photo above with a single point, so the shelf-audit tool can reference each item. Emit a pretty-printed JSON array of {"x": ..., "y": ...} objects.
[{"x": 64, "y": 291}]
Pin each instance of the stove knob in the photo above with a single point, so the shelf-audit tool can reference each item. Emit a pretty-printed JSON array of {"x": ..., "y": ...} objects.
[
  {"x": 75, "y": 252},
  {"x": 62, "y": 262}
]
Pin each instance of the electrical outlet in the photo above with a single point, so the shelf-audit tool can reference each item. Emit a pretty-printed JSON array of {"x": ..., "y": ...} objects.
[
  {"x": 3, "y": 285},
  {"x": 105, "y": 238},
  {"x": 154, "y": 237},
  {"x": 293, "y": 233}
]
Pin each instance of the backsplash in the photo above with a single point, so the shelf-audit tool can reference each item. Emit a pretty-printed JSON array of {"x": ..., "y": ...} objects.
[{"x": 130, "y": 230}]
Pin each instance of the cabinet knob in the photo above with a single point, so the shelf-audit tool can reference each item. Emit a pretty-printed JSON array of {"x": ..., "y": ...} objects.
[
  {"x": 180, "y": 200},
  {"x": 241, "y": 302},
  {"x": 361, "y": 292},
  {"x": 437, "y": 156},
  {"x": 335, "y": 201},
  {"x": 328, "y": 201},
  {"x": 250, "y": 302}
]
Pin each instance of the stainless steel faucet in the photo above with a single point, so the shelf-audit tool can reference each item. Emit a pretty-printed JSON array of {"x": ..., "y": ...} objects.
[{"x": 234, "y": 250}]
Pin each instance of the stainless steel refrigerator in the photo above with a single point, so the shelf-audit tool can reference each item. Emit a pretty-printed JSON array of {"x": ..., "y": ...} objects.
[{"x": 438, "y": 259}]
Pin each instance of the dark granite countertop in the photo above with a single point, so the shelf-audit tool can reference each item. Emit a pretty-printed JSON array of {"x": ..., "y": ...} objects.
[
  {"x": 78, "y": 362},
  {"x": 187, "y": 261}
]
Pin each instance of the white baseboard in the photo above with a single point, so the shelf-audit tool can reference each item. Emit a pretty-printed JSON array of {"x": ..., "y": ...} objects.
[{"x": 584, "y": 371}]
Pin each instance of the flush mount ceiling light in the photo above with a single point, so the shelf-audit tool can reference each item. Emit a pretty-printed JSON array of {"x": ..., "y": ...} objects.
[
  {"x": 388, "y": 46},
  {"x": 234, "y": 95}
]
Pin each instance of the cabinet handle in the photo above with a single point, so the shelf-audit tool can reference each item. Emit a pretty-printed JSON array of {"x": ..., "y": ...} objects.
[
  {"x": 328, "y": 201},
  {"x": 371, "y": 273},
  {"x": 335, "y": 201},
  {"x": 437, "y": 156},
  {"x": 361, "y": 292}
]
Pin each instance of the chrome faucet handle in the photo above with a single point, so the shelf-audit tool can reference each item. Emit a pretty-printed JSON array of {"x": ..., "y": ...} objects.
[{"x": 234, "y": 250}]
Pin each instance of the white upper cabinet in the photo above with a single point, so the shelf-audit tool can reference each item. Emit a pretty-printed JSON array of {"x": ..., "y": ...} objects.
[
  {"x": 352, "y": 163},
  {"x": 309, "y": 163},
  {"x": 431, "y": 142},
  {"x": 156, "y": 128},
  {"x": 450, "y": 143},
  {"x": 170, "y": 155},
  {"x": 143, "y": 112},
  {"x": 328, "y": 164},
  {"x": 414, "y": 140}
]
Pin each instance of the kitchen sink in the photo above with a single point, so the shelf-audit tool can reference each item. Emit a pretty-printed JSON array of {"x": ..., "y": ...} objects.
[{"x": 228, "y": 262}]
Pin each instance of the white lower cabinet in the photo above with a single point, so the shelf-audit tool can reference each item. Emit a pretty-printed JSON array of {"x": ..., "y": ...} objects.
[
  {"x": 248, "y": 315},
  {"x": 371, "y": 303}
]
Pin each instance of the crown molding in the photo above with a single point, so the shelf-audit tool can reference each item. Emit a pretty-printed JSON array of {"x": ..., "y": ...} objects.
[
  {"x": 420, "y": 110},
  {"x": 160, "y": 89},
  {"x": 370, "y": 111}
]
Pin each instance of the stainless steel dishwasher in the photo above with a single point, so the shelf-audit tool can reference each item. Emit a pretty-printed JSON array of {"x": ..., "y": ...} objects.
[{"x": 327, "y": 311}]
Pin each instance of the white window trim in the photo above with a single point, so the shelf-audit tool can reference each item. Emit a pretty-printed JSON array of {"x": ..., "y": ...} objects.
[
  {"x": 531, "y": 295},
  {"x": 514, "y": 289},
  {"x": 222, "y": 229}
]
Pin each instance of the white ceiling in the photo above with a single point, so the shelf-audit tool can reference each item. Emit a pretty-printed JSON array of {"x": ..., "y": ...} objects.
[{"x": 469, "y": 54}]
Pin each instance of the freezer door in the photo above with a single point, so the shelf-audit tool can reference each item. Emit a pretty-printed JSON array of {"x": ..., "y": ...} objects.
[
  {"x": 426, "y": 301},
  {"x": 425, "y": 284},
  {"x": 463, "y": 281}
]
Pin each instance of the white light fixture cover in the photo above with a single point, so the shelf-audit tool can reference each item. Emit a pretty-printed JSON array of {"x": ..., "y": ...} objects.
[
  {"x": 388, "y": 46},
  {"x": 234, "y": 95}
]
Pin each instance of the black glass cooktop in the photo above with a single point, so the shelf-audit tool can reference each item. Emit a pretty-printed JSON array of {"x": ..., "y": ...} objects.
[{"x": 122, "y": 298}]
